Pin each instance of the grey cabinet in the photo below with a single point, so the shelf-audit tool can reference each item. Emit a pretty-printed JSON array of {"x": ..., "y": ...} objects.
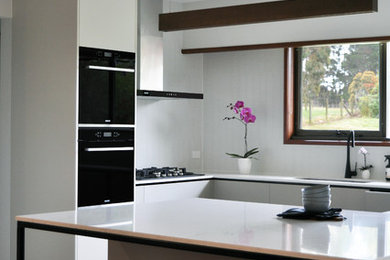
[
  {"x": 378, "y": 201},
  {"x": 290, "y": 194},
  {"x": 258, "y": 192},
  {"x": 286, "y": 194},
  {"x": 347, "y": 198},
  {"x": 241, "y": 191}
]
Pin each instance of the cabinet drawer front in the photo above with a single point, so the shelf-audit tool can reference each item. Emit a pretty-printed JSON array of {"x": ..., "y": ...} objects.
[
  {"x": 177, "y": 191},
  {"x": 286, "y": 194},
  {"x": 241, "y": 191},
  {"x": 378, "y": 201}
]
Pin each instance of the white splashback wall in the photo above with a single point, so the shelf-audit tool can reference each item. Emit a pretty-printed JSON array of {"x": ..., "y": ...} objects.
[
  {"x": 256, "y": 77},
  {"x": 167, "y": 133}
]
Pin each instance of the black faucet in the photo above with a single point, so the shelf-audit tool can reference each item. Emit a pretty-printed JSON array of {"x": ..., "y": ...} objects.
[{"x": 348, "y": 172}]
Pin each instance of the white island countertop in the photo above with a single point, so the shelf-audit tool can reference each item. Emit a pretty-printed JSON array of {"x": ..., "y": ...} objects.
[{"x": 249, "y": 228}]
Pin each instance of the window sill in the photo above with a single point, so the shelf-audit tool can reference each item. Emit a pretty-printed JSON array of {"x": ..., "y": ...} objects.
[{"x": 336, "y": 142}]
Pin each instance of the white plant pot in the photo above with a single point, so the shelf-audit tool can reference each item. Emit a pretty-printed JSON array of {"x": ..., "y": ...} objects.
[
  {"x": 366, "y": 174},
  {"x": 244, "y": 165}
]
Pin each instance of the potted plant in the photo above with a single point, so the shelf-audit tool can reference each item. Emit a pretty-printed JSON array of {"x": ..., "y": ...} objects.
[
  {"x": 366, "y": 168},
  {"x": 244, "y": 116}
]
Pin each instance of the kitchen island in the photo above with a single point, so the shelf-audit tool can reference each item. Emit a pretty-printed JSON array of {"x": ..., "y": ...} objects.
[{"x": 230, "y": 229}]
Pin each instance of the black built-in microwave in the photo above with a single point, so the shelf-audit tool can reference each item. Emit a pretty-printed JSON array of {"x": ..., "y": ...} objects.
[{"x": 106, "y": 87}]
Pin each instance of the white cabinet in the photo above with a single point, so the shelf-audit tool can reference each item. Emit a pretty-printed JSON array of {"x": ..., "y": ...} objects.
[
  {"x": 89, "y": 248},
  {"x": 108, "y": 24},
  {"x": 241, "y": 191},
  {"x": 139, "y": 194},
  {"x": 286, "y": 194},
  {"x": 176, "y": 191}
]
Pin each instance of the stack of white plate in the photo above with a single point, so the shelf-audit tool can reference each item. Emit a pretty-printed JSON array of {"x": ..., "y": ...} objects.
[{"x": 316, "y": 198}]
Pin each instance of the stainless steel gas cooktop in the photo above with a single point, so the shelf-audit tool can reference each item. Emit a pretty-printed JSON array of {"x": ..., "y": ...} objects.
[{"x": 164, "y": 172}]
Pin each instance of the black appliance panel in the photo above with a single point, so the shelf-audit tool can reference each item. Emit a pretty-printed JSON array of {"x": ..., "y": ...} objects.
[
  {"x": 106, "y": 86},
  {"x": 106, "y": 166}
]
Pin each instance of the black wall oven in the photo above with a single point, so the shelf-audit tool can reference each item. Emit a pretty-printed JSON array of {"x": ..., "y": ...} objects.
[
  {"x": 105, "y": 166},
  {"x": 106, "y": 87}
]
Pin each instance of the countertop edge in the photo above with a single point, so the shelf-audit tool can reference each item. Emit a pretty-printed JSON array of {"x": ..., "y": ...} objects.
[{"x": 374, "y": 184}]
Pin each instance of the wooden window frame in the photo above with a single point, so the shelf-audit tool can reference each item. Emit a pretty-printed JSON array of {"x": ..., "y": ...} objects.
[{"x": 290, "y": 100}]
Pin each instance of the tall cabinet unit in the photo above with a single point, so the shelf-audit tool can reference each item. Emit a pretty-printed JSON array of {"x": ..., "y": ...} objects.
[{"x": 110, "y": 26}]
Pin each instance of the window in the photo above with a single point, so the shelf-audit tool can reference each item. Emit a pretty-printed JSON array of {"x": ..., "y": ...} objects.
[{"x": 334, "y": 88}]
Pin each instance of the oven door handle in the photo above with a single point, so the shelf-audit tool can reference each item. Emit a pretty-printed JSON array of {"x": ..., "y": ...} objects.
[
  {"x": 93, "y": 67},
  {"x": 109, "y": 149}
]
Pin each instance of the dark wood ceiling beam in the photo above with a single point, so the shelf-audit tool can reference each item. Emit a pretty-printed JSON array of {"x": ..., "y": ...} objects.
[{"x": 262, "y": 12}]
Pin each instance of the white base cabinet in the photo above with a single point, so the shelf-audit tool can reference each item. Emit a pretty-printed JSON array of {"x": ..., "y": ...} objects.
[
  {"x": 174, "y": 191},
  {"x": 139, "y": 196},
  {"x": 89, "y": 248}
]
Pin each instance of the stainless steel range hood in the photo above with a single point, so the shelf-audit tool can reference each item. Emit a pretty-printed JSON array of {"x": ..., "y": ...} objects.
[
  {"x": 167, "y": 94},
  {"x": 151, "y": 55}
]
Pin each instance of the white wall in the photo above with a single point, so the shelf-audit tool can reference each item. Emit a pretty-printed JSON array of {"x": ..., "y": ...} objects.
[
  {"x": 361, "y": 25},
  {"x": 43, "y": 124},
  {"x": 181, "y": 72},
  {"x": 257, "y": 78},
  {"x": 6, "y": 8},
  {"x": 254, "y": 76},
  {"x": 5, "y": 137}
]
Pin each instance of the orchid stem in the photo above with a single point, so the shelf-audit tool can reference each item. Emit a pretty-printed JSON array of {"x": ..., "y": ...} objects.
[
  {"x": 246, "y": 142},
  {"x": 365, "y": 162}
]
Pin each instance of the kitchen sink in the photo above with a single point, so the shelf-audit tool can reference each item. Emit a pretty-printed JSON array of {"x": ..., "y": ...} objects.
[{"x": 339, "y": 180}]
